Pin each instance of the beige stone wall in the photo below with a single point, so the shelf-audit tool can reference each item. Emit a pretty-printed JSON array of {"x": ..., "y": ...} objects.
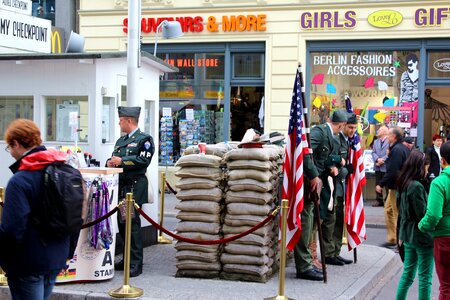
[{"x": 101, "y": 25}]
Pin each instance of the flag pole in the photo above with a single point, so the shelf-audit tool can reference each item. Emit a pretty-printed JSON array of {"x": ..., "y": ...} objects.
[{"x": 313, "y": 195}]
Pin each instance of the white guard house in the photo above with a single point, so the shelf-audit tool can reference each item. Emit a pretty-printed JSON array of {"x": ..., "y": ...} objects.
[{"x": 73, "y": 97}]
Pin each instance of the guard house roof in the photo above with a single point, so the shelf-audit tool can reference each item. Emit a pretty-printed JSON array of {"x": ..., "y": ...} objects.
[{"x": 146, "y": 58}]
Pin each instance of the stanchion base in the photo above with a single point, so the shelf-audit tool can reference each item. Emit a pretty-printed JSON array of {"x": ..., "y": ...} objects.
[
  {"x": 163, "y": 240},
  {"x": 126, "y": 291},
  {"x": 279, "y": 298},
  {"x": 3, "y": 280}
]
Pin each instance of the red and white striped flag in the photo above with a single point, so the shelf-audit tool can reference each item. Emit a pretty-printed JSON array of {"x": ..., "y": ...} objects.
[
  {"x": 354, "y": 205},
  {"x": 296, "y": 147}
]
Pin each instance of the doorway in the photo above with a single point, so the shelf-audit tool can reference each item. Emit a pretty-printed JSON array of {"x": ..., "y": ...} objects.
[
  {"x": 437, "y": 112},
  {"x": 246, "y": 111}
]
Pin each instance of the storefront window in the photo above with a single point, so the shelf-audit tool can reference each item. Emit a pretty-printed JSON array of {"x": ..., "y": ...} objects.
[
  {"x": 439, "y": 65},
  {"x": 249, "y": 65},
  {"x": 191, "y": 103},
  {"x": 14, "y": 107},
  {"x": 44, "y": 9},
  {"x": 382, "y": 85},
  {"x": 67, "y": 118}
]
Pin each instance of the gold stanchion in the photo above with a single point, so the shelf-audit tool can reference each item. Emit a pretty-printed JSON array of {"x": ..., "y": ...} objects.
[
  {"x": 161, "y": 238},
  {"x": 3, "y": 279},
  {"x": 127, "y": 291},
  {"x": 281, "y": 281}
]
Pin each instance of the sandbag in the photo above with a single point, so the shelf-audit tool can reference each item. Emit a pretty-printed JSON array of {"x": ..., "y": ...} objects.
[
  {"x": 197, "y": 256},
  {"x": 198, "y": 217},
  {"x": 196, "y": 183},
  {"x": 263, "y": 176},
  {"x": 210, "y": 228},
  {"x": 200, "y": 172},
  {"x": 197, "y": 265},
  {"x": 247, "y": 209},
  {"x": 199, "y": 206},
  {"x": 214, "y": 194},
  {"x": 194, "y": 247},
  {"x": 226, "y": 258},
  {"x": 250, "y": 164},
  {"x": 249, "y": 184},
  {"x": 199, "y": 160},
  {"x": 248, "y": 197}
]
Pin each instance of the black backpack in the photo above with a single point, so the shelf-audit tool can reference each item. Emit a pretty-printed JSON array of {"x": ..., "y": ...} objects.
[{"x": 60, "y": 211}]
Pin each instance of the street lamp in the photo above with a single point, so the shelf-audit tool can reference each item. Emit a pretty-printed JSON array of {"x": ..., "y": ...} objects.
[{"x": 170, "y": 30}]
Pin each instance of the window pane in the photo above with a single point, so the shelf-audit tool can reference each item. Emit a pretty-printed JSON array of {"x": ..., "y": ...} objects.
[
  {"x": 14, "y": 107},
  {"x": 248, "y": 65},
  {"x": 439, "y": 65},
  {"x": 67, "y": 118},
  {"x": 107, "y": 119}
]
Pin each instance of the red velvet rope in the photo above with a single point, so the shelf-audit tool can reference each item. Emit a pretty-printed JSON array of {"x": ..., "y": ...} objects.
[
  {"x": 170, "y": 188},
  {"x": 104, "y": 217},
  {"x": 212, "y": 242}
]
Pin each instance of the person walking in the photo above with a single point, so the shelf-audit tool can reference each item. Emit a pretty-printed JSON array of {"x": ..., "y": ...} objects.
[
  {"x": 30, "y": 263},
  {"x": 379, "y": 156},
  {"x": 418, "y": 246},
  {"x": 133, "y": 152},
  {"x": 437, "y": 222},
  {"x": 394, "y": 163},
  {"x": 434, "y": 156}
]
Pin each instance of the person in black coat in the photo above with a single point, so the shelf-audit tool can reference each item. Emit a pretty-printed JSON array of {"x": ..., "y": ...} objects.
[
  {"x": 397, "y": 156},
  {"x": 434, "y": 156}
]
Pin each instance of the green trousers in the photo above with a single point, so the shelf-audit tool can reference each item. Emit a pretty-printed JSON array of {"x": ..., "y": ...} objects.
[
  {"x": 338, "y": 226},
  {"x": 302, "y": 255},
  {"x": 416, "y": 258}
]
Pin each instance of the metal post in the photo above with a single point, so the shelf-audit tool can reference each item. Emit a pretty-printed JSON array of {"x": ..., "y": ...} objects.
[
  {"x": 161, "y": 238},
  {"x": 3, "y": 279},
  {"x": 127, "y": 291},
  {"x": 281, "y": 280}
]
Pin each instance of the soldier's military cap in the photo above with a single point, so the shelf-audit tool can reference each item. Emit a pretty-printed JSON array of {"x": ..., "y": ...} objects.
[
  {"x": 352, "y": 119},
  {"x": 129, "y": 111},
  {"x": 339, "y": 116}
]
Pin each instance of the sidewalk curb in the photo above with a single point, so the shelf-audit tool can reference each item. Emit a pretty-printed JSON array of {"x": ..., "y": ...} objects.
[{"x": 366, "y": 283}]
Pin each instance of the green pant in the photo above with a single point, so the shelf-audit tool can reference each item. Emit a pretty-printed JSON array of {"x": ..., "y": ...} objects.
[
  {"x": 338, "y": 226},
  {"x": 140, "y": 192},
  {"x": 328, "y": 231},
  {"x": 302, "y": 255},
  {"x": 421, "y": 258}
]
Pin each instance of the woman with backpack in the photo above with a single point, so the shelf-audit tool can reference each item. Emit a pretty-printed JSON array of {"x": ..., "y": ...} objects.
[{"x": 418, "y": 246}]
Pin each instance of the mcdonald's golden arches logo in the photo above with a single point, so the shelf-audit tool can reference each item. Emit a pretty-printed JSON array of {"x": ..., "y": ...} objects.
[{"x": 56, "y": 42}]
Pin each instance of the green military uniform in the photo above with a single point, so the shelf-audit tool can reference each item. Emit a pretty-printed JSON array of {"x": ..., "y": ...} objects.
[
  {"x": 323, "y": 146},
  {"x": 136, "y": 152},
  {"x": 336, "y": 220}
]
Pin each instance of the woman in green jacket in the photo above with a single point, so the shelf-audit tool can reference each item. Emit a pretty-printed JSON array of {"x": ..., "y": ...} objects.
[
  {"x": 418, "y": 245},
  {"x": 437, "y": 221}
]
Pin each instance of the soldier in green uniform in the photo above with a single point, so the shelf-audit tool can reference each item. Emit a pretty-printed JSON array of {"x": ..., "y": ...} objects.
[
  {"x": 133, "y": 152},
  {"x": 317, "y": 168},
  {"x": 335, "y": 221}
]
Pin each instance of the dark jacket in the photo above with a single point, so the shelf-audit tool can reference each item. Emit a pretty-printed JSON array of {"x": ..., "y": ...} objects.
[
  {"x": 435, "y": 164},
  {"x": 23, "y": 251},
  {"x": 396, "y": 158},
  {"x": 136, "y": 153},
  {"x": 413, "y": 205}
]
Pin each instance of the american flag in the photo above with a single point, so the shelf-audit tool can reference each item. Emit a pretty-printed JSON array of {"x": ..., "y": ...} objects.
[
  {"x": 354, "y": 205},
  {"x": 296, "y": 147}
]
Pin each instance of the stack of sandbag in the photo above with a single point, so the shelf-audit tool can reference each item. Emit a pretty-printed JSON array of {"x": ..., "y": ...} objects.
[
  {"x": 200, "y": 214},
  {"x": 251, "y": 194}
]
